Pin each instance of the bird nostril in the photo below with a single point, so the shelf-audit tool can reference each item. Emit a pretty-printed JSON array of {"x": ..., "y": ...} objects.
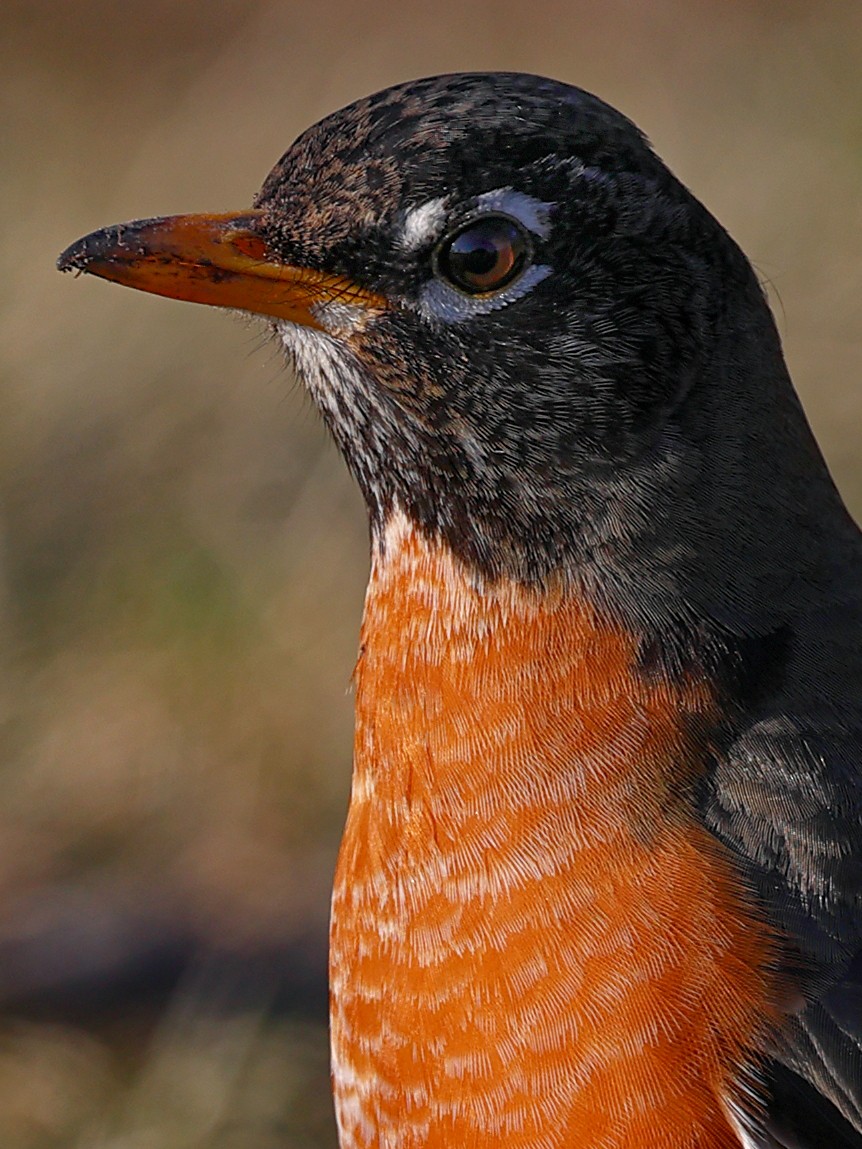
[{"x": 248, "y": 244}]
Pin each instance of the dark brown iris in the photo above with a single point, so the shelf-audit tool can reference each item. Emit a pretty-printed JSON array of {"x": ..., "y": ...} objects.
[{"x": 484, "y": 255}]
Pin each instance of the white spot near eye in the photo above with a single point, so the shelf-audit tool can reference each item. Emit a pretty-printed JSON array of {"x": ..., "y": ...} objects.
[
  {"x": 438, "y": 300},
  {"x": 533, "y": 213},
  {"x": 423, "y": 223}
]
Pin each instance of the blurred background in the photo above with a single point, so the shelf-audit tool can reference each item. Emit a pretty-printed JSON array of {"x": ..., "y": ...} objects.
[{"x": 182, "y": 556}]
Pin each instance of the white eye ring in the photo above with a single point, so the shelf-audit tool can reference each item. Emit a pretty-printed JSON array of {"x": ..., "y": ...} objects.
[
  {"x": 441, "y": 303},
  {"x": 532, "y": 214}
]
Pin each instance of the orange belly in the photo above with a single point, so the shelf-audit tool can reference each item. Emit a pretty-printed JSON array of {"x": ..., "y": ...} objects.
[{"x": 534, "y": 942}]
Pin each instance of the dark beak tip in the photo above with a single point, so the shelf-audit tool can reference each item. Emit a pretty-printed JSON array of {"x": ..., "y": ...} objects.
[
  {"x": 80, "y": 254},
  {"x": 73, "y": 258},
  {"x": 117, "y": 242}
]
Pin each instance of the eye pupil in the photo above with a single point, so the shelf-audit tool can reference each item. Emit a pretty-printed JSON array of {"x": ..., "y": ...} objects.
[
  {"x": 479, "y": 260},
  {"x": 484, "y": 256}
]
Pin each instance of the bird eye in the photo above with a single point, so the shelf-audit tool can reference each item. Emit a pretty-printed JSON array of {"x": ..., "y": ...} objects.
[{"x": 484, "y": 255}]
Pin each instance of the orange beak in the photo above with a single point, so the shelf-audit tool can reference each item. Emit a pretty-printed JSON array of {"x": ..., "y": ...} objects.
[{"x": 215, "y": 259}]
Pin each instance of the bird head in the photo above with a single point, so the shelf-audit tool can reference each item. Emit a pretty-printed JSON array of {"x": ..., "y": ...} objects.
[{"x": 523, "y": 332}]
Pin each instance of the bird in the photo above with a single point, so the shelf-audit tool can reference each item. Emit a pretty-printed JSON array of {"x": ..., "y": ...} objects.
[{"x": 600, "y": 884}]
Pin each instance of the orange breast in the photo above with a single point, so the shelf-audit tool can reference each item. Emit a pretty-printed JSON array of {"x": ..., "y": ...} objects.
[{"x": 534, "y": 942}]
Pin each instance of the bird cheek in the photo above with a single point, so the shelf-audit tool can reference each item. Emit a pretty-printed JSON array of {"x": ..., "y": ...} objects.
[{"x": 341, "y": 319}]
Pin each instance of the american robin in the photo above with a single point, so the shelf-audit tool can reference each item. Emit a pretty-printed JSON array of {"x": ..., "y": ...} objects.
[{"x": 601, "y": 879}]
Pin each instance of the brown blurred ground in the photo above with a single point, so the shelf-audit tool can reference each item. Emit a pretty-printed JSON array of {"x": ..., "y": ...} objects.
[{"x": 182, "y": 557}]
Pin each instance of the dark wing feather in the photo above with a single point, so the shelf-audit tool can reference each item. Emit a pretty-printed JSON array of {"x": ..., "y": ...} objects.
[
  {"x": 799, "y": 1118},
  {"x": 786, "y": 797}
]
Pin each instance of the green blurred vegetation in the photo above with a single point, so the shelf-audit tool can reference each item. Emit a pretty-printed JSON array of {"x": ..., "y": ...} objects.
[{"x": 182, "y": 557}]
